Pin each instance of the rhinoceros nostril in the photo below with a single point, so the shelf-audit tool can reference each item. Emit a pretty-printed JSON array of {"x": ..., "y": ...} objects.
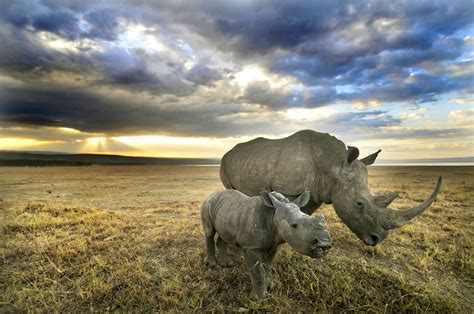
[
  {"x": 314, "y": 244},
  {"x": 326, "y": 247},
  {"x": 375, "y": 239}
]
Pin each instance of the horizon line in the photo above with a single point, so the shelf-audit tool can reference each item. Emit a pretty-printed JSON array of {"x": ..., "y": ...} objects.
[{"x": 464, "y": 159}]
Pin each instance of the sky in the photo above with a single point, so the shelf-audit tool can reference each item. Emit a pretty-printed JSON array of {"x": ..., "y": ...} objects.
[{"x": 194, "y": 78}]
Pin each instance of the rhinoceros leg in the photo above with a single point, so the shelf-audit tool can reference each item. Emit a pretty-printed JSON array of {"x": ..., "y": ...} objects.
[
  {"x": 311, "y": 207},
  {"x": 209, "y": 232},
  {"x": 257, "y": 274},
  {"x": 224, "y": 259},
  {"x": 210, "y": 259},
  {"x": 268, "y": 258}
]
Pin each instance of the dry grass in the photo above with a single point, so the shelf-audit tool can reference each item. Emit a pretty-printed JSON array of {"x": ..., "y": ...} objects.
[{"x": 129, "y": 238}]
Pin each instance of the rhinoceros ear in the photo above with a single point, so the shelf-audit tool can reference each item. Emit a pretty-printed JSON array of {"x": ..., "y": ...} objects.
[
  {"x": 266, "y": 198},
  {"x": 303, "y": 199},
  {"x": 275, "y": 201},
  {"x": 371, "y": 158},
  {"x": 352, "y": 154}
]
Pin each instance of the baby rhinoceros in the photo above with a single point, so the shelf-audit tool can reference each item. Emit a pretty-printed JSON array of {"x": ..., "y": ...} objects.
[{"x": 259, "y": 225}]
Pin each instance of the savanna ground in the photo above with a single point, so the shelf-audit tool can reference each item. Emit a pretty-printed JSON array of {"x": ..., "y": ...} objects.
[{"x": 130, "y": 238}]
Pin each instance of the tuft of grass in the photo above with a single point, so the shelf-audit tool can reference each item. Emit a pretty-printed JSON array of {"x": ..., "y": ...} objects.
[{"x": 67, "y": 255}]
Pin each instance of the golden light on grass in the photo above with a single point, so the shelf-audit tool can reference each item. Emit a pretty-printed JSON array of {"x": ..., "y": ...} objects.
[{"x": 130, "y": 239}]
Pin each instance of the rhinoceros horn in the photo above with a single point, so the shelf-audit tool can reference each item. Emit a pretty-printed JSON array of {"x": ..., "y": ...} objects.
[
  {"x": 371, "y": 158},
  {"x": 386, "y": 199},
  {"x": 392, "y": 219}
]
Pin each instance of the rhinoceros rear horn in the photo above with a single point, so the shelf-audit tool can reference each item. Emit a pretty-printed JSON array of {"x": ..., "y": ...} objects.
[
  {"x": 371, "y": 158},
  {"x": 386, "y": 199},
  {"x": 396, "y": 218}
]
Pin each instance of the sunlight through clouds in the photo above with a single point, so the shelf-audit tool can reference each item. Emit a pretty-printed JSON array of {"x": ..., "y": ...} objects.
[
  {"x": 167, "y": 146},
  {"x": 150, "y": 78},
  {"x": 249, "y": 74},
  {"x": 22, "y": 143}
]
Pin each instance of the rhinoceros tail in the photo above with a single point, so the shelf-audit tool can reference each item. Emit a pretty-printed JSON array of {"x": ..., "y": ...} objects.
[{"x": 223, "y": 175}]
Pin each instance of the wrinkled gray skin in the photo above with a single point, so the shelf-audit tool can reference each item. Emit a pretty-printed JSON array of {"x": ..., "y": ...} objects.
[
  {"x": 332, "y": 172},
  {"x": 259, "y": 225}
]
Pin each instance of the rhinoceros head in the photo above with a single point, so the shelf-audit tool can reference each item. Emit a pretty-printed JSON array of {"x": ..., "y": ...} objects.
[
  {"x": 366, "y": 214},
  {"x": 306, "y": 234}
]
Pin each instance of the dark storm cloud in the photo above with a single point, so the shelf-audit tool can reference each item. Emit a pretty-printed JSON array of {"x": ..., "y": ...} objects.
[
  {"x": 446, "y": 48},
  {"x": 90, "y": 112},
  {"x": 319, "y": 96},
  {"x": 65, "y": 19},
  {"x": 21, "y": 56},
  {"x": 452, "y": 134},
  {"x": 131, "y": 69},
  {"x": 261, "y": 92},
  {"x": 429, "y": 133},
  {"x": 23, "y": 14},
  {"x": 310, "y": 26},
  {"x": 388, "y": 51},
  {"x": 102, "y": 23},
  {"x": 371, "y": 119},
  {"x": 62, "y": 22},
  {"x": 331, "y": 43},
  {"x": 417, "y": 87},
  {"x": 390, "y": 69},
  {"x": 201, "y": 74},
  {"x": 383, "y": 66}
]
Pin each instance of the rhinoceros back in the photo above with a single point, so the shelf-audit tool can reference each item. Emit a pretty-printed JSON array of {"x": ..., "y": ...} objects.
[{"x": 287, "y": 165}]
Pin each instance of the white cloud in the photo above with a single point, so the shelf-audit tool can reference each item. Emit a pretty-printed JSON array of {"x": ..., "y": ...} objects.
[{"x": 462, "y": 117}]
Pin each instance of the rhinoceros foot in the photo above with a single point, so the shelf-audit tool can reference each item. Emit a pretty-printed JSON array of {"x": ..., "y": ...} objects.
[
  {"x": 226, "y": 262},
  {"x": 210, "y": 262},
  {"x": 257, "y": 294},
  {"x": 270, "y": 285}
]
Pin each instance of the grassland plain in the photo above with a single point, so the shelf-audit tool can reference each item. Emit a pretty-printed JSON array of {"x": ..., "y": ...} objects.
[{"x": 130, "y": 238}]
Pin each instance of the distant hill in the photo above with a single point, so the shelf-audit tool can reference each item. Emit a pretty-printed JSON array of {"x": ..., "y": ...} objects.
[
  {"x": 42, "y": 159},
  {"x": 452, "y": 160}
]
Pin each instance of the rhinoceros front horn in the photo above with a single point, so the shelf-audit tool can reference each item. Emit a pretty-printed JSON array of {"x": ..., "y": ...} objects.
[{"x": 396, "y": 218}]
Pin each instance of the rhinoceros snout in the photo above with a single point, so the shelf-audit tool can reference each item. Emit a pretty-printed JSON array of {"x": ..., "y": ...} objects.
[
  {"x": 319, "y": 248},
  {"x": 319, "y": 252},
  {"x": 373, "y": 239}
]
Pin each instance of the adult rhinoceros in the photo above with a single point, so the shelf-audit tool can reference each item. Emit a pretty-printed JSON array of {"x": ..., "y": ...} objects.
[{"x": 319, "y": 162}]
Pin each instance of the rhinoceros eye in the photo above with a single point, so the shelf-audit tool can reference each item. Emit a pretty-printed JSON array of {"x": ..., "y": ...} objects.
[
  {"x": 360, "y": 205},
  {"x": 294, "y": 225}
]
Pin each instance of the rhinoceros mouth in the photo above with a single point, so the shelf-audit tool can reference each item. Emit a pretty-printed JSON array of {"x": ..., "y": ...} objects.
[{"x": 320, "y": 251}]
